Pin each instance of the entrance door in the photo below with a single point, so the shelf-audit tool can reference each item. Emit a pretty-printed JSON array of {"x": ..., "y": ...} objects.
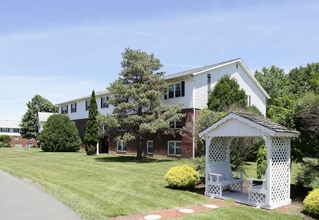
[{"x": 104, "y": 145}]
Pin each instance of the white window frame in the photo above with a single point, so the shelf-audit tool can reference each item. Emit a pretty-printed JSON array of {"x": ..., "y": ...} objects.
[
  {"x": 64, "y": 109},
  {"x": 87, "y": 105},
  {"x": 177, "y": 146},
  {"x": 104, "y": 102},
  {"x": 176, "y": 125},
  {"x": 73, "y": 107},
  {"x": 121, "y": 146},
  {"x": 150, "y": 147}
]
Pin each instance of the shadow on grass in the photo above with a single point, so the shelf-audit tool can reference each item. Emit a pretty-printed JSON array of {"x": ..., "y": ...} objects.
[{"x": 131, "y": 159}]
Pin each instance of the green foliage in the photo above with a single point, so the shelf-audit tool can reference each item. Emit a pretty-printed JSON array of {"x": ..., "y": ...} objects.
[
  {"x": 261, "y": 161},
  {"x": 137, "y": 99},
  {"x": 182, "y": 177},
  {"x": 308, "y": 175},
  {"x": 5, "y": 140},
  {"x": 311, "y": 203},
  {"x": 29, "y": 122},
  {"x": 92, "y": 128},
  {"x": 225, "y": 94},
  {"x": 200, "y": 165},
  {"x": 59, "y": 134}
]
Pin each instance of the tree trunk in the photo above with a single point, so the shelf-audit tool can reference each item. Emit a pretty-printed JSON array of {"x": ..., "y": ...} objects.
[{"x": 139, "y": 148}]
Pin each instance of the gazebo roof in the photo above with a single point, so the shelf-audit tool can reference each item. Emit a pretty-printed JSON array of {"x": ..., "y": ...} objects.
[{"x": 247, "y": 125}]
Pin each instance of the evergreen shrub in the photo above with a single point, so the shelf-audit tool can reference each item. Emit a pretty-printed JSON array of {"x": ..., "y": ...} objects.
[
  {"x": 182, "y": 177},
  {"x": 311, "y": 203}
]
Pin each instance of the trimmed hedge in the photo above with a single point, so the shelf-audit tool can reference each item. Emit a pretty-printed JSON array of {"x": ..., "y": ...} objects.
[
  {"x": 182, "y": 177},
  {"x": 311, "y": 203}
]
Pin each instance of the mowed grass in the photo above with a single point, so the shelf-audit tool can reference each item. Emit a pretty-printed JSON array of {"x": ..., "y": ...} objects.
[
  {"x": 241, "y": 212},
  {"x": 104, "y": 186},
  {"x": 101, "y": 186}
]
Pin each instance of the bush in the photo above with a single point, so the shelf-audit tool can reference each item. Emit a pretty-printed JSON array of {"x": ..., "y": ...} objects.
[
  {"x": 261, "y": 161},
  {"x": 5, "y": 140},
  {"x": 311, "y": 203},
  {"x": 200, "y": 165},
  {"x": 59, "y": 134},
  {"x": 309, "y": 174},
  {"x": 182, "y": 177}
]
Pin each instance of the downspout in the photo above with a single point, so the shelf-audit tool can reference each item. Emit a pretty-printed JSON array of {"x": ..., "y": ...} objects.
[{"x": 194, "y": 119}]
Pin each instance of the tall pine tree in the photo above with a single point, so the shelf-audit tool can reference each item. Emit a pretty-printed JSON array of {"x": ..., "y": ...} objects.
[
  {"x": 92, "y": 128},
  {"x": 137, "y": 99}
]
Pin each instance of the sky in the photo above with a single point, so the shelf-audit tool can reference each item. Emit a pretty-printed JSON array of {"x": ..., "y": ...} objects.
[{"x": 64, "y": 49}]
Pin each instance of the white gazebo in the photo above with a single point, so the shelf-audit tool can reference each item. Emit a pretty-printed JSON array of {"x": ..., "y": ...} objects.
[{"x": 274, "y": 189}]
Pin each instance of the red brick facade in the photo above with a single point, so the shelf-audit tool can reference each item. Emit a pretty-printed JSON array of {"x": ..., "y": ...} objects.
[{"x": 160, "y": 141}]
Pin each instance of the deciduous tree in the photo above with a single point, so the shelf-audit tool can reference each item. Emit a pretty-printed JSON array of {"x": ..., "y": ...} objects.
[{"x": 29, "y": 123}]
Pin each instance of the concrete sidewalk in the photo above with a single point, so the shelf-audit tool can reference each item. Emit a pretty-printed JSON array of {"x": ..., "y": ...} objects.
[{"x": 20, "y": 200}]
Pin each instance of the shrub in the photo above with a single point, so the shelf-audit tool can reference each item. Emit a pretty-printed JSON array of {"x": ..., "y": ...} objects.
[
  {"x": 261, "y": 161},
  {"x": 200, "y": 165},
  {"x": 182, "y": 177},
  {"x": 311, "y": 203},
  {"x": 309, "y": 174},
  {"x": 59, "y": 134},
  {"x": 5, "y": 140}
]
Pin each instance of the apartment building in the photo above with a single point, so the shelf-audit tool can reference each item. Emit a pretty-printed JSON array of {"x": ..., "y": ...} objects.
[
  {"x": 191, "y": 88},
  {"x": 12, "y": 129}
]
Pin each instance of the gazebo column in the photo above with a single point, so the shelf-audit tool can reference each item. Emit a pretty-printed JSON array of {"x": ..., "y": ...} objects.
[{"x": 268, "y": 144}]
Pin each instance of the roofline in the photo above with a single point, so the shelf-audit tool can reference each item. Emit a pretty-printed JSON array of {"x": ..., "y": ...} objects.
[
  {"x": 270, "y": 132},
  {"x": 97, "y": 95},
  {"x": 196, "y": 71}
]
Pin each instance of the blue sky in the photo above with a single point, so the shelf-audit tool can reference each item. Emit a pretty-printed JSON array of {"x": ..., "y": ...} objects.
[{"x": 63, "y": 49}]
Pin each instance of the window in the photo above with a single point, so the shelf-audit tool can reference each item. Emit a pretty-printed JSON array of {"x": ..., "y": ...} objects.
[
  {"x": 104, "y": 102},
  {"x": 174, "y": 148},
  {"x": 73, "y": 107},
  {"x": 121, "y": 146},
  {"x": 16, "y": 130},
  {"x": 176, "y": 125},
  {"x": 87, "y": 105},
  {"x": 64, "y": 109},
  {"x": 176, "y": 90},
  {"x": 4, "y": 129},
  {"x": 150, "y": 147}
]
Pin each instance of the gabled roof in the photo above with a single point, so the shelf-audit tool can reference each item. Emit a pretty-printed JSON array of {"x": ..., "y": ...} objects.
[
  {"x": 190, "y": 73},
  {"x": 247, "y": 125},
  {"x": 43, "y": 116}
]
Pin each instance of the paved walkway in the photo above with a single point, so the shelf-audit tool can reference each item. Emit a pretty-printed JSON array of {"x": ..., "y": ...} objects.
[{"x": 22, "y": 200}]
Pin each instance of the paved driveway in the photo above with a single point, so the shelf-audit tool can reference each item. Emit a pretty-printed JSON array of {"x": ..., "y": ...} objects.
[{"x": 20, "y": 200}]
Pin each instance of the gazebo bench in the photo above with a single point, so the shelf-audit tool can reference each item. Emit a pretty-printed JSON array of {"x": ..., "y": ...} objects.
[{"x": 219, "y": 182}]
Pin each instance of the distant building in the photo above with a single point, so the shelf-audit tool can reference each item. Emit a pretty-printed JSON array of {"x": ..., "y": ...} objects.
[
  {"x": 12, "y": 128},
  {"x": 42, "y": 118},
  {"x": 192, "y": 88}
]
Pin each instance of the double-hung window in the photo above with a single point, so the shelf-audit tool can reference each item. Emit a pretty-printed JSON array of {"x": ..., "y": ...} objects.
[
  {"x": 150, "y": 147},
  {"x": 64, "y": 109},
  {"x": 121, "y": 146},
  {"x": 176, "y": 90},
  {"x": 176, "y": 125},
  {"x": 174, "y": 148},
  {"x": 73, "y": 107},
  {"x": 104, "y": 102},
  {"x": 87, "y": 105}
]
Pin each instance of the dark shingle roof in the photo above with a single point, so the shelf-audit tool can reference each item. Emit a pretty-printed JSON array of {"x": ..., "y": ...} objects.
[{"x": 266, "y": 123}]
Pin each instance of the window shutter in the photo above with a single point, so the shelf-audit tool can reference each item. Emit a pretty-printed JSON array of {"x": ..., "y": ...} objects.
[{"x": 183, "y": 88}]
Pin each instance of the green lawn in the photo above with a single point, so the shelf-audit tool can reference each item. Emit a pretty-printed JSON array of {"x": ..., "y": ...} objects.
[{"x": 104, "y": 186}]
